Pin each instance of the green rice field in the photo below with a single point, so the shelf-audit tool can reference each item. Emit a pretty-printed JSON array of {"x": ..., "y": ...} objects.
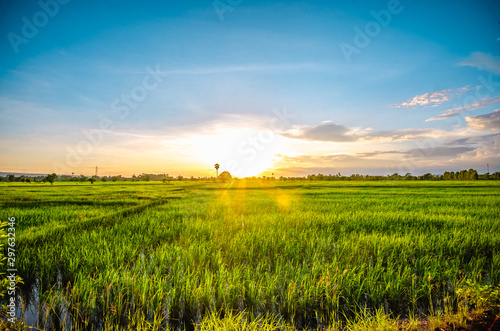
[{"x": 258, "y": 254}]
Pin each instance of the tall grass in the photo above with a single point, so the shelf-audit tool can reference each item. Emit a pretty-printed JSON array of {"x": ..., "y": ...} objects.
[{"x": 257, "y": 254}]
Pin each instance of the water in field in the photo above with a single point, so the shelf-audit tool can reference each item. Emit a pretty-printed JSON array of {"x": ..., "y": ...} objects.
[{"x": 301, "y": 254}]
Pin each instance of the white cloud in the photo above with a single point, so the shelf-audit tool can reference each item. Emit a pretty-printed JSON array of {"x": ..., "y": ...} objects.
[
  {"x": 432, "y": 99},
  {"x": 326, "y": 131},
  {"x": 489, "y": 150},
  {"x": 489, "y": 121},
  {"x": 444, "y": 116},
  {"x": 452, "y": 112},
  {"x": 483, "y": 61}
]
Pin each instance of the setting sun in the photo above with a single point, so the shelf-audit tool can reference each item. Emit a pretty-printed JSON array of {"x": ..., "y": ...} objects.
[{"x": 242, "y": 152}]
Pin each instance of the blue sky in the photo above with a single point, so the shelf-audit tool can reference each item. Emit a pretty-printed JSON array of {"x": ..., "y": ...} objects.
[{"x": 260, "y": 87}]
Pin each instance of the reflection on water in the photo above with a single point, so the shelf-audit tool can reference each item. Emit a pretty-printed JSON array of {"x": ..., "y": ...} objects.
[{"x": 49, "y": 307}]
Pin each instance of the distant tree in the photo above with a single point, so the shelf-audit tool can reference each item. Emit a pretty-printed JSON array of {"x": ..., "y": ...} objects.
[
  {"x": 408, "y": 176},
  {"x": 104, "y": 179},
  {"x": 356, "y": 177},
  {"x": 92, "y": 180},
  {"x": 11, "y": 178},
  {"x": 82, "y": 178},
  {"x": 28, "y": 180},
  {"x": 134, "y": 178},
  {"x": 217, "y": 170},
  {"x": 463, "y": 175},
  {"x": 225, "y": 176},
  {"x": 427, "y": 176},
  {"x": 114, "y": 178},
  {"x": 395, "y": 176},
  {"x": 51, "y": 178},
  {"x": 472, "y": 174},
  {"x": 166, "y": 178},
  {"x": 146, "y": 178},
  {"x": 485, "y": 176}
]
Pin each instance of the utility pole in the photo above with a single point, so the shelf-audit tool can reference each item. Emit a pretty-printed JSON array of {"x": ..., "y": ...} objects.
[
  {"x": 488, "y": 165},
  {"x": 95, "y": 171}
]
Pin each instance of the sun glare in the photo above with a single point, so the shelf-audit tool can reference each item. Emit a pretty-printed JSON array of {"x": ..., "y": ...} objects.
[{"x": 242, "y": 152}]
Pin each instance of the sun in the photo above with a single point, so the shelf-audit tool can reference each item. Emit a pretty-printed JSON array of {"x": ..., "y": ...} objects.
[{"x": 242, "y": 152}]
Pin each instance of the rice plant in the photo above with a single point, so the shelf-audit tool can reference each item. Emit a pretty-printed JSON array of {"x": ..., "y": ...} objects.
[{"x": 253, "y": 255}]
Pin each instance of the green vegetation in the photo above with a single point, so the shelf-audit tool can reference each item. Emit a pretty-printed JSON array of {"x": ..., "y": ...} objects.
[
  {"x": 50, "y": 178},
  {"x": 463, "y": 175},
  {"x": 256, "y": 254}
]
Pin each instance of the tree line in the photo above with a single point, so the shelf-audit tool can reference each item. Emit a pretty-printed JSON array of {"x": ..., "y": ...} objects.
[
  {"x": 469, "y": 175},
  {"x": 92, "y": 179}
]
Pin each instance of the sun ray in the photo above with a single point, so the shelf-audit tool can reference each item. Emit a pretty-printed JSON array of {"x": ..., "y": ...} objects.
[{"x": 242, "y": 152}]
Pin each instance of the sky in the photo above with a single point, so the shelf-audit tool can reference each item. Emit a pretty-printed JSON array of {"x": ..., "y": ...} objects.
[{"x": 284, "y": 88}]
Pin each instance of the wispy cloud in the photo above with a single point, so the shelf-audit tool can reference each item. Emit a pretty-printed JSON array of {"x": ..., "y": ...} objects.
[
  {"x": 244, "y": 68},
  {"x": 449, "y": 113},
  {"x": 326, "y": 131},
  {"x": 329, "y": 131},
  {"x": 436, "y": 152},
  {"x": 332, "y": 163},
  {"x": 398, "y": 135},
  {"x": 489, "y": 121},
  {"x": 487, "y": 151},
  {"x": 432, "y": 99},
  {"x": 483, "y": 61},
  {"x": 444, "y": 116},
  {"x": 15, "y": 112}
]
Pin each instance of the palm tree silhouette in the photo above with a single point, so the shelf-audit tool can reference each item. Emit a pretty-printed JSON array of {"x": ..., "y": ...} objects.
[{"x": 217, "y": 170}]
